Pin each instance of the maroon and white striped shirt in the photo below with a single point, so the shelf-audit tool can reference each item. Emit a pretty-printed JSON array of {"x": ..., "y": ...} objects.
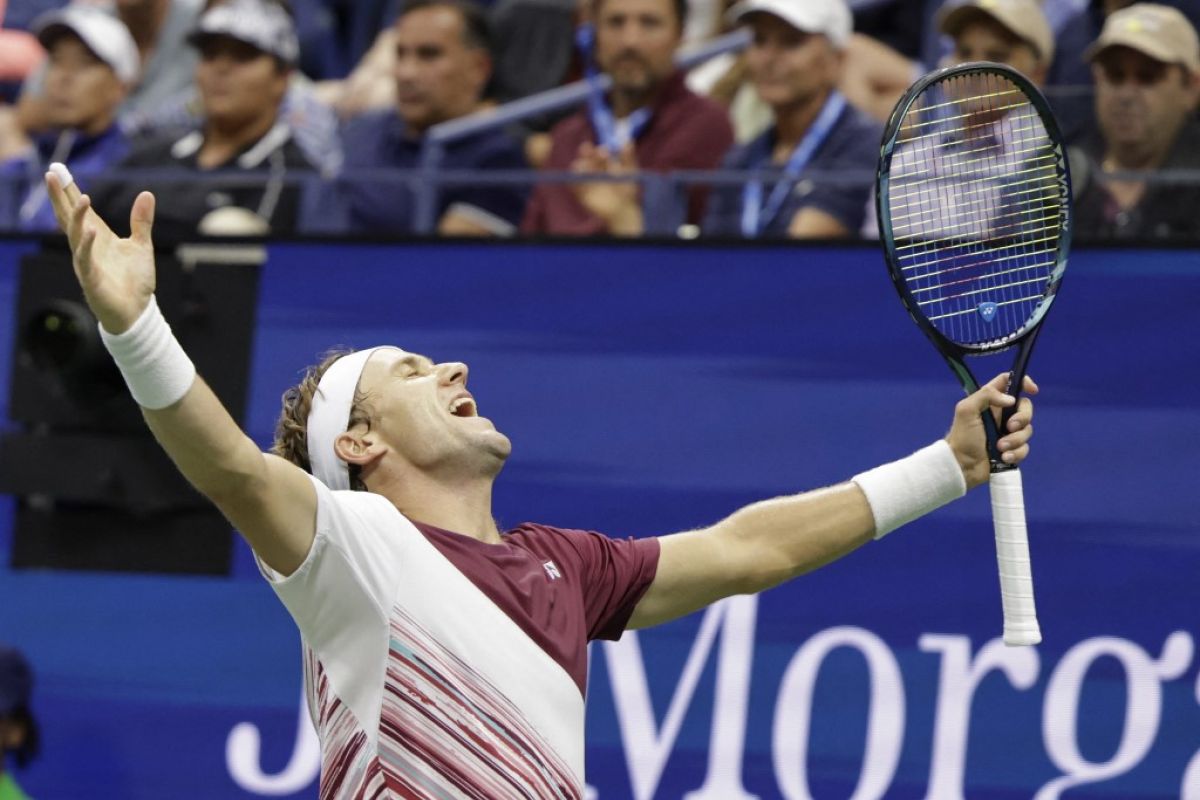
[{"x": 440, "y": 666}]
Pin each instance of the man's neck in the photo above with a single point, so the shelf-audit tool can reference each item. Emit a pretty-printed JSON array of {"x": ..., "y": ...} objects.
[
  {"x": 793, "y": 121},
  {"x": 223, "y": 142},
  {"x": 1117, "y": 159},
  {"x": 463, "y": 506},
  {"x": 145, "y": 21},
  {"x": 625, "y": 102}
]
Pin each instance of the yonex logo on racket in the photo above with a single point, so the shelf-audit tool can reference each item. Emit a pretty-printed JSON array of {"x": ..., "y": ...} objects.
[{"x": 987, "y": 311}]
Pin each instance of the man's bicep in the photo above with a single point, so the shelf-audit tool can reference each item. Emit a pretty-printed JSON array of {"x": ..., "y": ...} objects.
[
  {"x": 695, "y": 569},
  {"x": 277, "y": 515}
]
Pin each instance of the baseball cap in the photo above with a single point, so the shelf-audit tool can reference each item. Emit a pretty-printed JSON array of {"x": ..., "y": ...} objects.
[
  {"x": 829, "y": 17},
  {"x": 1023, "y": 18},
  {"x": 16, "y": 680},
  {"x": 103, "y": 34},
  {"x": 1161, "y": 32},
  {"x": 258, "y": 23}
]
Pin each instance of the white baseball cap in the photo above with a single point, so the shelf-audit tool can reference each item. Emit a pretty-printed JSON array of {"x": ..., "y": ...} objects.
[
  {"x": 831, "y": 18},
  {"x": 101, "y": 32}
]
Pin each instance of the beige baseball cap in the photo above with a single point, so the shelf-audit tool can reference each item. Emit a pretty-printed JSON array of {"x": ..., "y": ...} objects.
[
  {"x": 1023, "y": 18},
  {"x": 1161, "y": 32}
]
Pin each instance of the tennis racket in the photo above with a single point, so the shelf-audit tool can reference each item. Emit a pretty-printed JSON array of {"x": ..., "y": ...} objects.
[{"x": 974, "y": 204}]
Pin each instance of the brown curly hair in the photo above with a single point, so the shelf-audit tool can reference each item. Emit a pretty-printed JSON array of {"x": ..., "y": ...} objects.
[{"x": 291, "y": 431}]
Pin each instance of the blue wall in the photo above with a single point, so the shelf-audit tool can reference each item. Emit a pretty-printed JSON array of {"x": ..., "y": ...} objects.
[{"x": 652, "y": 388}]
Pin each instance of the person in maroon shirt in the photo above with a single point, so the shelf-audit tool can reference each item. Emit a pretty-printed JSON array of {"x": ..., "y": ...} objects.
[{"x": 649, "y": 121}]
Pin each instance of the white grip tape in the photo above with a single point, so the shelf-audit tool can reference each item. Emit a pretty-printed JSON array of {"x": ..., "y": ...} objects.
[
  {"x": 154, "y": 365},
  {"x": 1012, "y": 558}
]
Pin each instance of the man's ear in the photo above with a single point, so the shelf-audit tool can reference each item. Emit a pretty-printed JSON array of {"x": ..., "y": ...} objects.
[{"x": 358, "y": 448}]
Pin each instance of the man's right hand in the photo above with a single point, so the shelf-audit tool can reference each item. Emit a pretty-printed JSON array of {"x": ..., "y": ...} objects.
[{"x": 117, "y": 275}]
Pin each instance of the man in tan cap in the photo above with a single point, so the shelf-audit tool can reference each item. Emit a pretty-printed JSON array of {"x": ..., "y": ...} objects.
[
  {"x": 1146, "y": 64},
  {"x": 1012, "y": 32}
]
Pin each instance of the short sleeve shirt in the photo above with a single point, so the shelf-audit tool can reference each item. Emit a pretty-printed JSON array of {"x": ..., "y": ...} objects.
[
  {"x": 379, "y": 140},
  {"x": 438, "y": 665},
  {"x": 263, "y": 178},
  {"x": 851, "y": 146}
]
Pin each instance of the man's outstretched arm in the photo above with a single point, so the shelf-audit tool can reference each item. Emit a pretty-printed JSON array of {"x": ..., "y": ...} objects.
[
  {"x": 772, "y": 541},
  {"x": 271, "y": 501}
]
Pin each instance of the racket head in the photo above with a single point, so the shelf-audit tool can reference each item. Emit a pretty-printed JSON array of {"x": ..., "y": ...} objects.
[{"x": 973, "y": 197}]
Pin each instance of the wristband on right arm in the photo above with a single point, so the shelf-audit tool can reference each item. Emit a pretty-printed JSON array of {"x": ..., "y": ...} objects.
[
  {"x": 156, "y": 369},
  {"x": 903, "y": 490}
]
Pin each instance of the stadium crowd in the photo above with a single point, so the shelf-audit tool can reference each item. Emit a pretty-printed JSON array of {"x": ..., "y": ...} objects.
[{"x": 329, "y": 118}]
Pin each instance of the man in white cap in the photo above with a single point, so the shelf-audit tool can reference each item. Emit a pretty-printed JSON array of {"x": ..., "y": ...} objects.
[
  {"x": 794, "y": 63},
  {"x": 247, "y": 51},
  {"x": 92, "y": 62},
  {"x": 1146, "y": 64},
  {"x": 442, "y": 657}
]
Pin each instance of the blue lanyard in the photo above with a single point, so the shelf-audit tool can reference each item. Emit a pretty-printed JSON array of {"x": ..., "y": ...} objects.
[
  {"x": 756, "y": 216},
  {"x": 608, "y": 132}
]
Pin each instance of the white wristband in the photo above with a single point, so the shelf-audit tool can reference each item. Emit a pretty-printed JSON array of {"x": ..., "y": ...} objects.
[
  {"x": 903, "y": 490},
  {"x": 156, "y": 370}
]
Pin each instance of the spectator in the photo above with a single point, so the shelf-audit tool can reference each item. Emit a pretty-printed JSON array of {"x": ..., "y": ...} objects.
[
  {"x": 159, "y": 28},
  {"x": 92, "y": 63},
  {"x": 1012, "y": 32},
  {"x": 649, "y": 120},
  {"x": 976, "y": 137},
  {"x": 794, "y": 62},
  {"x": 18, "y": 728},
  {"x": 1146, "y": 64},
  {"x": 247, "y": 50},
  {"x": 443, "y": 63}
]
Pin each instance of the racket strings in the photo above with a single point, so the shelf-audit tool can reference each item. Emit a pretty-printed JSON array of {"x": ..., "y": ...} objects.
[
  {"x": 974, "y": 198},
  {"x": 976, "y": 207},
  {"x": 1042, "y": 163},
  {"x": 988, "y": 148},
  {"x": 963, "y": 267},
  {"x": 1049, "y": 223}
]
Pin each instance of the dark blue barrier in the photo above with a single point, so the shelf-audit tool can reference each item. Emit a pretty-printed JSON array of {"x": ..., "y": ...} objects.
[{"x": 653, "y": 388}]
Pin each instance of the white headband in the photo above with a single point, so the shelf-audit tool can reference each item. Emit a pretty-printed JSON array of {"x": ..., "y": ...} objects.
[{"x": 330, "y": 414}]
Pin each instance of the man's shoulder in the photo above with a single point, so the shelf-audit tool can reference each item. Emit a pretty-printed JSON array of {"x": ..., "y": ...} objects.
[
  {"x": 362, "y": 134},
  {"x": 1186, "y": 153},
  {"x": 572, "y": 130},
  {"x": 495, "y": 147},
  {"x": 856, "y": 134},
  {"x": 858, "y": 126},
  {"x": 683, "y": 101}
]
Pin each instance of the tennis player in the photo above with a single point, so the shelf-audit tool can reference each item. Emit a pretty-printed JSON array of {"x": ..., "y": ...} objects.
[{"x": 442, "y": 657}]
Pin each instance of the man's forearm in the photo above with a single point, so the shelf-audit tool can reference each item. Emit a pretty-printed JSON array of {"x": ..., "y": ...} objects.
[{"x": 796, "y": 534}]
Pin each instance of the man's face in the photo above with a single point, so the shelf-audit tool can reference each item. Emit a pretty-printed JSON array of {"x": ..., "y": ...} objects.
[
  {"x": 438, "y": 75},
  {"x": 985, "y": 39},
  {"x": 788, "y": 66},
  {"x": 1141, "y": 102},
  {"x": 239, "y": 84},
  {"x": 636, "y": 42},
  {"x": 424, "y": 414},
  {"x": 82, "y": 91}
]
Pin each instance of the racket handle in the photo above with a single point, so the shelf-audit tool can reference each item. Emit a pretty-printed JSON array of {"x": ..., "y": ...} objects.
[{"x": 1012, "y": 557}]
